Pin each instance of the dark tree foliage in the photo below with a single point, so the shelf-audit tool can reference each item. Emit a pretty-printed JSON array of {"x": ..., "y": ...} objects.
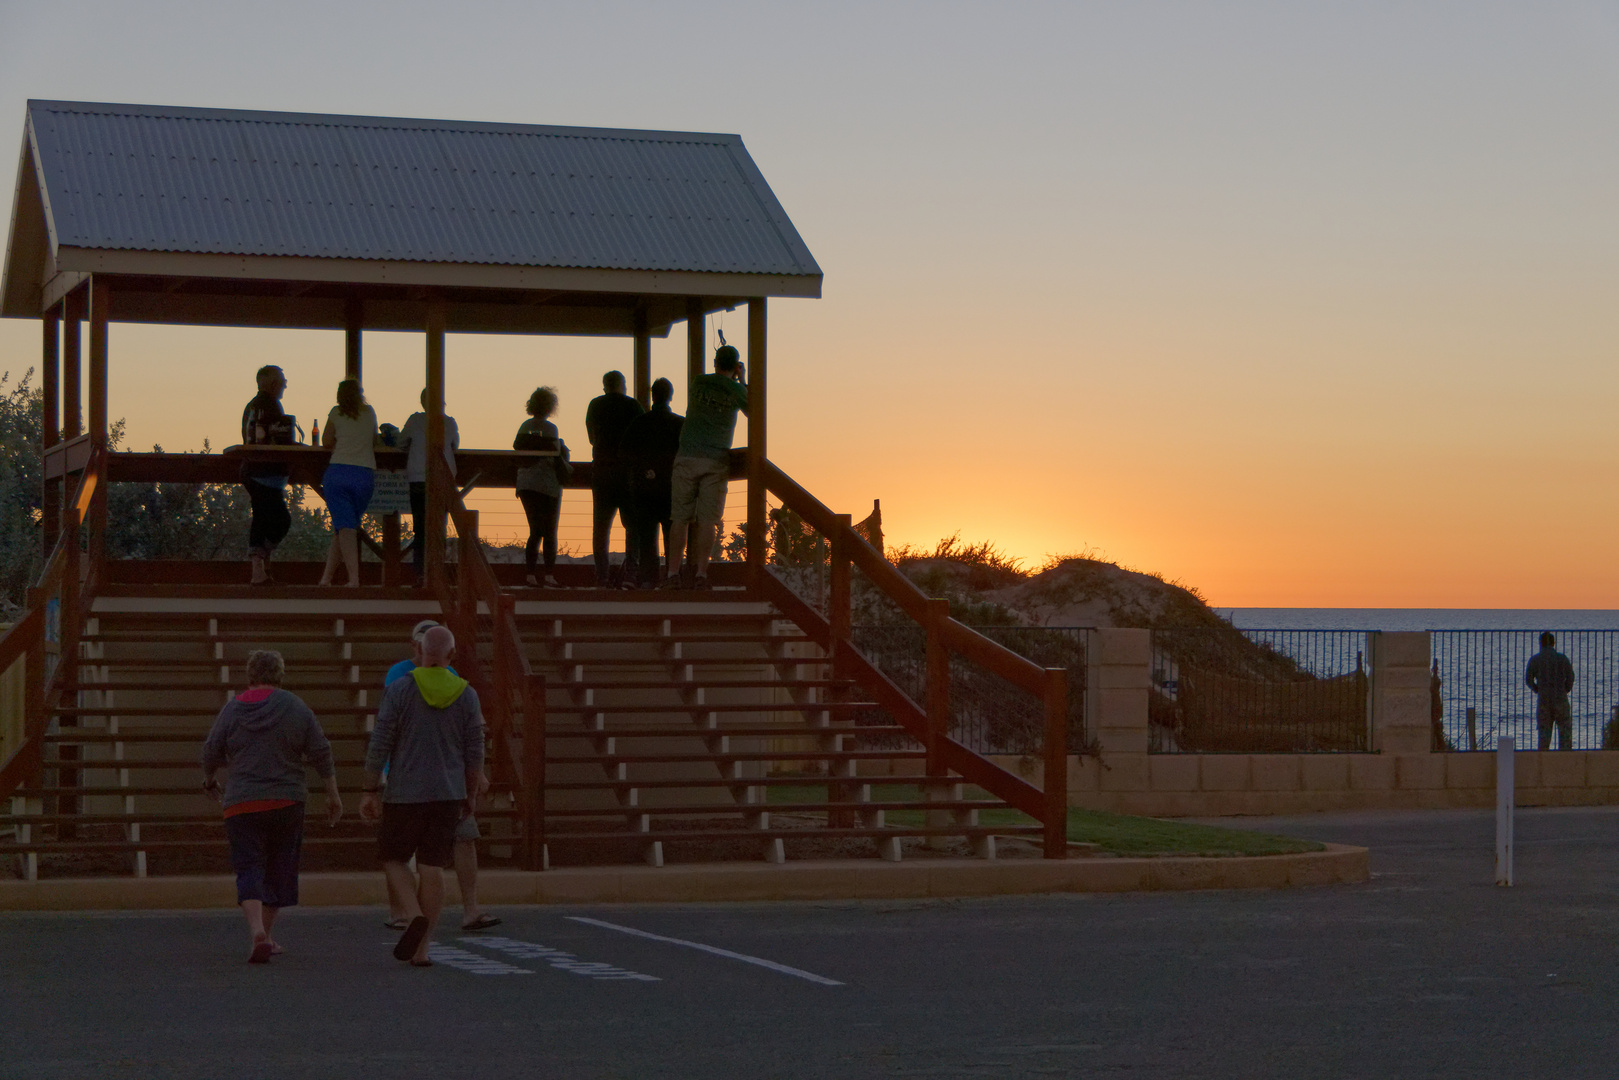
[
  {"x": 144, "y": 521},
  {"x": 21, "y": 410}
]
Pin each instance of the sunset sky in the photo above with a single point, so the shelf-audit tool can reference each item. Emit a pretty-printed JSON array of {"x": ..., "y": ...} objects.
[{"x": 1302, "y": 305}]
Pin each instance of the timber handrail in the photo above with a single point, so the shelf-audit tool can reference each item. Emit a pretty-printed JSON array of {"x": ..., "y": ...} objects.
[
  {"x": 523, "y": 766},
  {"x": 929, "y": 722},
  {"x": 59, "y": 580}
]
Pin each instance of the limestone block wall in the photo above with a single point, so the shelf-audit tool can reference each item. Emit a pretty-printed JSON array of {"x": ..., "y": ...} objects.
[{"x": 1400, "y": 773}]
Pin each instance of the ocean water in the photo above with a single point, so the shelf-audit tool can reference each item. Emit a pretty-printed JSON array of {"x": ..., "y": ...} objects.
[
  {"x": 1536, "y": 619},
  {"x": 1480, "y": 655}
]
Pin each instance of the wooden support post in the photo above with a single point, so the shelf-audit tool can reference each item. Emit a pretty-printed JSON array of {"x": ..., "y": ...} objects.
[
  {"x": 938, "y": 684},
  {"x": 353, "y": 320},
  {"x": 696, "y": 339},
  {"x": 466, "y": 560},
  {"x": 1056, "y": 771},
  {"x": 100, "y": 297},
  {"x": 438, "y": 500},
  {"x": 390, "y": 549},
  {"x": 756, "y": 436},
  {"x": 643, "y": 360},
  {"x": 533, "y": 800},
  {"x": 72, "y": 409},
  {"x": 100, "y": 311},
  {"x": 51, "y": 425}
]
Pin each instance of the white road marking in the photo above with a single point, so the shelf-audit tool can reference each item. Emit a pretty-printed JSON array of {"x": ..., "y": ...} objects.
[
  {"x": 798, "y": 973},
  {"x": 450, "y": 956},
  {"x": 564, "y": 961}
]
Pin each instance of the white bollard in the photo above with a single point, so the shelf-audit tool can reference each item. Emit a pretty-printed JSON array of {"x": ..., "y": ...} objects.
[{"x": 1504, "y": 802}]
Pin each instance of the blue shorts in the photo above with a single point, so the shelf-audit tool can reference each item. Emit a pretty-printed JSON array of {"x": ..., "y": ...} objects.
[{"x": 347, "y": 489}]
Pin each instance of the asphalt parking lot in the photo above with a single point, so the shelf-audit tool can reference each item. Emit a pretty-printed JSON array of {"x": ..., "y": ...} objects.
[{"x": 1428, "y": 970}]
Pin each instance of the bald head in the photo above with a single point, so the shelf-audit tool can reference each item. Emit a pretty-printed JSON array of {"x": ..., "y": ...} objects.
[{"x": 438, "y": 644}]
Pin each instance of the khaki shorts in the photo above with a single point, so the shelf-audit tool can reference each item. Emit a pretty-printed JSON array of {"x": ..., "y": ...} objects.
[{"x": 697, "y": 490}]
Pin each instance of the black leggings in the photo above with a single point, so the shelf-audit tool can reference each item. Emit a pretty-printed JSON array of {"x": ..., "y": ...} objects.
[
  {"x": 270, "y": 518},
  {"x": 542, "y": 511}
]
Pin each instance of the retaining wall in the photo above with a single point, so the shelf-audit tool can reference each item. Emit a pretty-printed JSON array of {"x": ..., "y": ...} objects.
[{"x": 1400, "y": 774}]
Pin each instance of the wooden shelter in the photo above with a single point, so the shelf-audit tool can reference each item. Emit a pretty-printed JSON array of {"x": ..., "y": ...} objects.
[
  {"x": 127, "y": 213},
  {"x": 603, "y": 730}
]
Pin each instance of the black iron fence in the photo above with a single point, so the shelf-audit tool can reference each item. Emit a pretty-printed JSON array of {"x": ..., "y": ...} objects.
[
  {"x": 988, "y": 714},
  {"x": 1481, "y": 692},
  {"x": 1224, "y": 690}
]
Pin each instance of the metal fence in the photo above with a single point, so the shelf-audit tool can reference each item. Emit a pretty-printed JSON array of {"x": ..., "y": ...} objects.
[
  {"x": 1224, "y": 690},
  {"x": 1482, "y": 693},
  {"x": 988, "y": 714}
]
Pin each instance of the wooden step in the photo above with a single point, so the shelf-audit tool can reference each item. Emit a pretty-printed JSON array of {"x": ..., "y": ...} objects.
[
  {"x": 719, "y": 809},
  {"x": 730, "y": 756},
  {"x": 828, "y": 833},
  {"x": 778, "y": 731},
  {"x": 605, "y": 784}
]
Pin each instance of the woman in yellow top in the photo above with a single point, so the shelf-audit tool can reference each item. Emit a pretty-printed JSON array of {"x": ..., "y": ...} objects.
[{"x": 351, "y": 435}]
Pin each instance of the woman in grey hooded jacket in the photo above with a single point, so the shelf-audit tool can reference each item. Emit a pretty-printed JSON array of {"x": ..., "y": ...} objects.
[{"x": 261, "y": 740}]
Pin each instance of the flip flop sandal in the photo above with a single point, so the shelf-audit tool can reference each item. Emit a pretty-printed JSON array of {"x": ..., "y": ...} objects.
[
  {"x": 411, "y": 938},
  {"x": 421, "y": 963},
  {"x": 260, "y": 953},
  {"x": 482, "y": 922},
  {"x": 397, "y": 924}
]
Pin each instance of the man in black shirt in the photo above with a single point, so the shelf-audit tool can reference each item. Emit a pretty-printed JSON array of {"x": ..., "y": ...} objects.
[
  {"x": 649, "y": 447},
  {"x": 605, "y": 421},
  {"x": 263, "y": 422},
  {"x": 1551, "y": 677}
]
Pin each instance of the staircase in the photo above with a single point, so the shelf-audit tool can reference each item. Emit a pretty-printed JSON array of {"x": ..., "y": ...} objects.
[
  {"x": 119, "y": 788},
  {"x": 738, "y": 723},
  {"x": 693, "y": 729},
  {"x": 714, "y": 728}
]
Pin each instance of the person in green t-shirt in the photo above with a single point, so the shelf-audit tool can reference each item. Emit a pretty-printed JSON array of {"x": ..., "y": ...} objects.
[{"x": 703, "y": 465}]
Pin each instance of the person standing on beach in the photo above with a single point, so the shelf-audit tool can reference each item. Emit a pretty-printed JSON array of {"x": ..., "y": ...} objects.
[
  {"x": 261, "y": 740},
  {"x": 1551, "y": 677},
  {"x": 429, "y": 734},
  {"x": 703, "y": 467},
  {"x": 606, "y": 417},
  {"x": 264, "y": 423}
]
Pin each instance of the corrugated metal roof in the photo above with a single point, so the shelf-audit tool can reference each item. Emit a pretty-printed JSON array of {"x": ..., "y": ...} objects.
[{"x": 233, "y": 182}]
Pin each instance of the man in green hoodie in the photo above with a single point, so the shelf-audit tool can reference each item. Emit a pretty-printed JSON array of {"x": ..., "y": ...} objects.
[{"x": 429, "y": 733}]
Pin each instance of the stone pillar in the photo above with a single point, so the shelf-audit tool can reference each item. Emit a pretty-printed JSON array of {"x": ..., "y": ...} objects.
[
  {"x": 1118, "y": 677},
  {"x": 1401, "y": 722}
]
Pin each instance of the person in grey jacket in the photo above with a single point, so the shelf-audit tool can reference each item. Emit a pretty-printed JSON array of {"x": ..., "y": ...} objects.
[
  {"x": 429, "y": 733},
  {"x": 262, "y": 740}
]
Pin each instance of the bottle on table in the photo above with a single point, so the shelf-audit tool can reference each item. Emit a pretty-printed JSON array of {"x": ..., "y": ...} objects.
[{"x": 314, "y": 433}]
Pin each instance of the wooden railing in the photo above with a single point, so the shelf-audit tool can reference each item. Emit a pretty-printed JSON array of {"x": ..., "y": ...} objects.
[
  {"x": 929, "y": 721},
  {"x": 49, "y": 631},
  {"x": 509, "y": 675}
]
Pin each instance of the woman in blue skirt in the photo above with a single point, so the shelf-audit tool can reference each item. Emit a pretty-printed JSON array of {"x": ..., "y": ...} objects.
[{"x": 351, "y": 435}]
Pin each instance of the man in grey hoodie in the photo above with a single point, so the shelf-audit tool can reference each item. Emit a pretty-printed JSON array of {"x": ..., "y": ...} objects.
[
  {"x": 262, "y": 738},
  {"x": 429, "y": 733}
]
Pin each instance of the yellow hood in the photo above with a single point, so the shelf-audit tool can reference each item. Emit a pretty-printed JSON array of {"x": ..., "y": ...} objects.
[{"x": 439, "y": 686}]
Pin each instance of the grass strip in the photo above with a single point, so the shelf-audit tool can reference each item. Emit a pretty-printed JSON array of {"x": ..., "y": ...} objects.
[{"x": 1114, "y": 834}]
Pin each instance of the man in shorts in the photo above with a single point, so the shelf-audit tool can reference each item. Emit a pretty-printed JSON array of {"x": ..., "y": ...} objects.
[
  {"x": 703, "y": 465},
  {"x": 466, "y": 834},
  {"x": 429, "y": 735}
]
